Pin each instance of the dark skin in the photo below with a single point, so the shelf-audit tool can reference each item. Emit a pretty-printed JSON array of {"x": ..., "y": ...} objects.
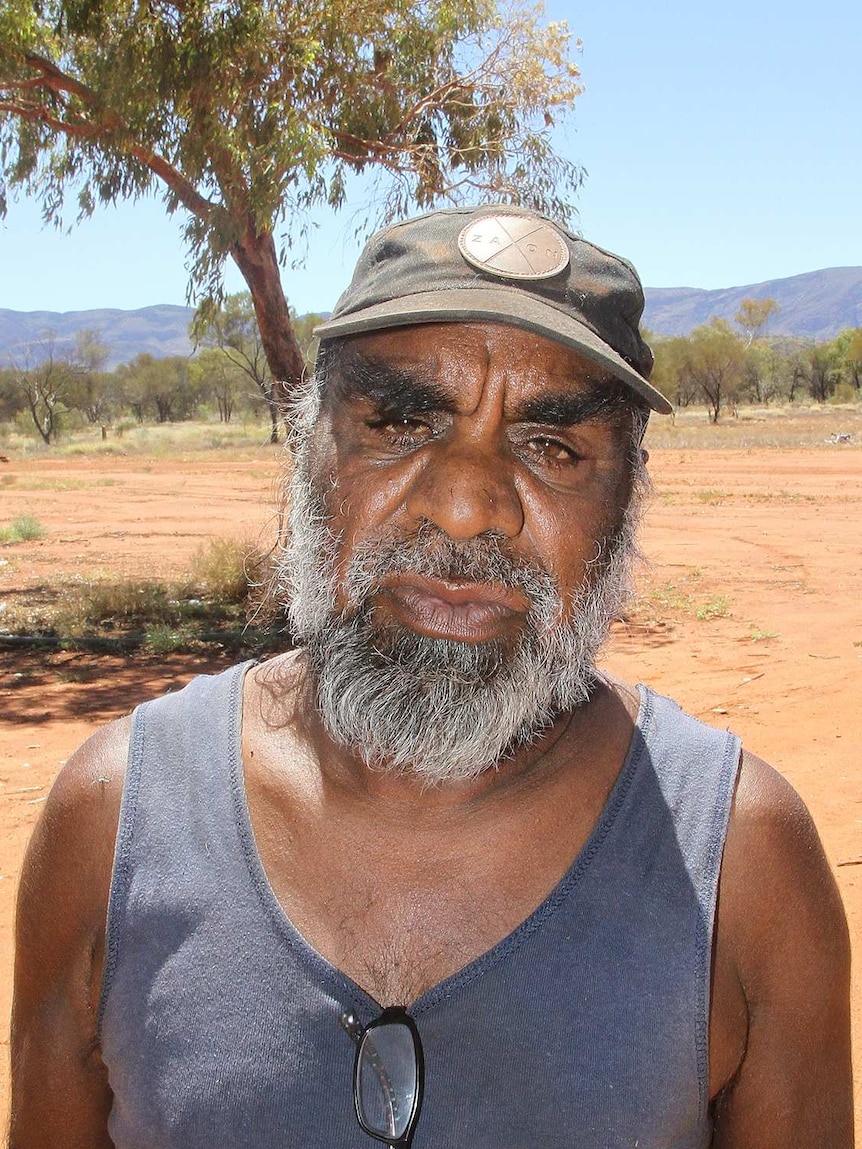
[{"x": 489, "y": 428}]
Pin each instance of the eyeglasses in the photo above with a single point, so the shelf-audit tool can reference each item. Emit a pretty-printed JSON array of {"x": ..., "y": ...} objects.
[{"x": 388, "y": 1075}]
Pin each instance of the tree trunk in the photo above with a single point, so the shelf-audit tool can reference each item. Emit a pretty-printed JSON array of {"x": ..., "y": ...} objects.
[
  {"x": 273, "y": 420},
  {"x": 44, "y": 423},
  {"x": 256, "y": 258}
]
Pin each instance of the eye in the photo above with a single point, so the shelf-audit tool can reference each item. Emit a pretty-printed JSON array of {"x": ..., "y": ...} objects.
[
  {"x": 551, "y": 451},
  {"x": 402, "y": 431}
]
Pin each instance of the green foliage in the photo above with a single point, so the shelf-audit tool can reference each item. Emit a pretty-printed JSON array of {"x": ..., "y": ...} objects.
[
  {"x": 753, "y": 317},
  {"x": 22, "y": 529},
  {"x": 246, "y": 115},
  {"x": 164, "y": 388},
  {"x": 91, "y": 389},
  {"x": 717, "y": 365},
  {"x": 823, "y": 370},
  {"x": 844, "y": 392},
  {"x": 43, "y": 381},
  {"x": 233, "y": 352},
  {"x": 670, "y": 374},
  {"x": 218, "y": 378},
  {"x": 848, "y": 355},
  {"x": 232, "y": 332},
  {"x": 11, "y": 399},
  {"x": 715, "y": 361}
]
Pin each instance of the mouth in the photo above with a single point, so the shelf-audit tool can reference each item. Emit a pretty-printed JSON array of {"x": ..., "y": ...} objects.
[{"x": 458, "y": 610}]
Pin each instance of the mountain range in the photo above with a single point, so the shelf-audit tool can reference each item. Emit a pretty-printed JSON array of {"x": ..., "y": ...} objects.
[{"x": 815, "y": 305}]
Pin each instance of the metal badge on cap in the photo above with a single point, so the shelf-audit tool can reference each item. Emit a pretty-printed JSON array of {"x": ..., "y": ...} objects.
[{"x": 514, "y": 247}]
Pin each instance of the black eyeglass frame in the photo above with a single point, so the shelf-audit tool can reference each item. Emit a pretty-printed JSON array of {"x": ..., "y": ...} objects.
[{"x": 393, "y": 1015}]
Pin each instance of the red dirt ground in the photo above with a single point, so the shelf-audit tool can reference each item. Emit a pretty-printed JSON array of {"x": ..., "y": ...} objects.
[{"x": 750, "y": 615}]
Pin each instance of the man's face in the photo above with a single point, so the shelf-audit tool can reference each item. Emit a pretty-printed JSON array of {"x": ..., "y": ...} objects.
[{"x": 459, "y": 540}]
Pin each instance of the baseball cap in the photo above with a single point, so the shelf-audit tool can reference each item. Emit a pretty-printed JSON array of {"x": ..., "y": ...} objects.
[{"x": 497, "y": 263}]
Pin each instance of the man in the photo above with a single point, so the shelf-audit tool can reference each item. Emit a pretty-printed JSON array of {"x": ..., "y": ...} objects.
[{"x": 433, "y": 877}]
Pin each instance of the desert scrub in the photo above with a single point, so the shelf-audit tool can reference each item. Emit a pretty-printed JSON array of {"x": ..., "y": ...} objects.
[
  {"x": 717, "y": 607},
  {"x": 162, "y": 639},
  {"x": 22, "y": 529},
  {"x": 115, "y": 606},
  {"x": 225, "y": 570}
]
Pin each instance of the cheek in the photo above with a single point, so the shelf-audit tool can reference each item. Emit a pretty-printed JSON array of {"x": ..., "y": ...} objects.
[
  {"x": 361, "y": 500},
  {"x": 565, "y": 531}
]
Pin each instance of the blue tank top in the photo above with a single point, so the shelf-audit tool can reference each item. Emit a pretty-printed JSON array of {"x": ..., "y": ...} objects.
[{"x": 585, "y": 1028}]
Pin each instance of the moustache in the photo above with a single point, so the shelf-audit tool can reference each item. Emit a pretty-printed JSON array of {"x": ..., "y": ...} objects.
[{"x": 435, "y": 555}]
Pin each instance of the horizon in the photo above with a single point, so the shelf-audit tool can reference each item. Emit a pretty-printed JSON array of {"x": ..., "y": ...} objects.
[{"x": 647, "y": 289}]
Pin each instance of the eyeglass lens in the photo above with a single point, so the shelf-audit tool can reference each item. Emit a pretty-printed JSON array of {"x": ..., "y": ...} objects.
[{"x": 387, "y": 1079}]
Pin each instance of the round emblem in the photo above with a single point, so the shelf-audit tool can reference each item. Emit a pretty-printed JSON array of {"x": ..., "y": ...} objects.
[{"x": 514, "y": 247}]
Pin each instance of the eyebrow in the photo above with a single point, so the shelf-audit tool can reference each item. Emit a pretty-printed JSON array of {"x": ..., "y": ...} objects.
[
  {"x": 390, "y": 388},
  {"x": 599, "y": 400},
  {"x": 412, "y": 390}
]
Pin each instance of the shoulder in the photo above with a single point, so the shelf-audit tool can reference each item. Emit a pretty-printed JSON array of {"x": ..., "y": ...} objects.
[
  {"x": 775, "y": 874},
  {"x": 91, "y": 782},
  {"x": 60, "y": 1093},
  {"x": 66, "y": 873},
  {"x": 60, "y": 921},
  {"x": 781, "y": 920},
  {"x": 781, "y": 928}
]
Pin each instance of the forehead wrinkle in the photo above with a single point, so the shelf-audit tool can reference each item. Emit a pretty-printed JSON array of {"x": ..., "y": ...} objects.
[{"x": 387, "y": 385}]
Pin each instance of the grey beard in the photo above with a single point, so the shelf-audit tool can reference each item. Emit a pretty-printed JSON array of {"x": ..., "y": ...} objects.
[{"x": 438, "y": 709}]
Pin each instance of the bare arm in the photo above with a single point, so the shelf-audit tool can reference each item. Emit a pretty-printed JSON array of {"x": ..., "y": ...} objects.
[
  {"x": 60, "y": 1093},
  {"x": 782, "y": 922}
]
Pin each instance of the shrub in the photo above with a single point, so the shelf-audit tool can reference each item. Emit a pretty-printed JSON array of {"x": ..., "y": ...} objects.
[
  {"x": 116, "y": 606},
  {"x": 844, "y": 392},
  {"x": 23, "y": 529},
  {"x": 226, "y": 569},
  {"x": 162, "y": 639}
]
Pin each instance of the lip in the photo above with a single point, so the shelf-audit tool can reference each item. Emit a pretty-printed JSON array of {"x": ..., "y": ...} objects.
[{"x": 461, "y": 610}]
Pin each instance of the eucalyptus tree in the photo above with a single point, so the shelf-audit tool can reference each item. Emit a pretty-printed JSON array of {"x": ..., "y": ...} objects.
[
  {"x": 244, "y": 115},
  {"x": 716, "y": 363},
  {"x": 232, "y": 329}
]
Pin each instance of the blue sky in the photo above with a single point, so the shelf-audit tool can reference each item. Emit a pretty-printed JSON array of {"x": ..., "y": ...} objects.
[{"x": 721, "y": 145}]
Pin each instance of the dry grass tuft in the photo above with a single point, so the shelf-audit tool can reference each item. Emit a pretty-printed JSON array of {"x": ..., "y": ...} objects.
[{"x": 22, "y": 529}]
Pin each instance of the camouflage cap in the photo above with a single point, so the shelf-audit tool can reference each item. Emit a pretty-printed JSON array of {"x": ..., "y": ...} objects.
[{"x": 507, "y": 265}]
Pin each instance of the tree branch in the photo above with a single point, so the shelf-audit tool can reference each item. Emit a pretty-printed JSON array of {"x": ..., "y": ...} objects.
[
  {"x": 58, "y": 80},
  {"x": 39, "y": 113},
  {"x": 185, "y": 192}
]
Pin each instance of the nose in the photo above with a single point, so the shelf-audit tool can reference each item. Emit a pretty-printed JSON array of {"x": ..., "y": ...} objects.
[{"x": 467, "y": 490}]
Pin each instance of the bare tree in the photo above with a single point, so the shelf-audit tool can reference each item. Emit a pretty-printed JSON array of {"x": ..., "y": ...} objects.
[{"x": 43, "y": 380}]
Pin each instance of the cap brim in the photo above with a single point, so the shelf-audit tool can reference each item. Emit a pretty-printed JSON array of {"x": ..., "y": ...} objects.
[{"x": 495, "y": 305}]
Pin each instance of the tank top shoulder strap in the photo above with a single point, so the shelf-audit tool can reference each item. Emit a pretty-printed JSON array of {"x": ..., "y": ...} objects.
[
  {"x": 688, "y": 771},
  {"x": 695, "y": 767},
  {"x": 179, "y": 794}
]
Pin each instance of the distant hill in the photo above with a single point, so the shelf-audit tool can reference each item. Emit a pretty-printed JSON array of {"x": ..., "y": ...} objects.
[
  {"x": 816, "y": 305},
  {"x": 160, "y": 330}
]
